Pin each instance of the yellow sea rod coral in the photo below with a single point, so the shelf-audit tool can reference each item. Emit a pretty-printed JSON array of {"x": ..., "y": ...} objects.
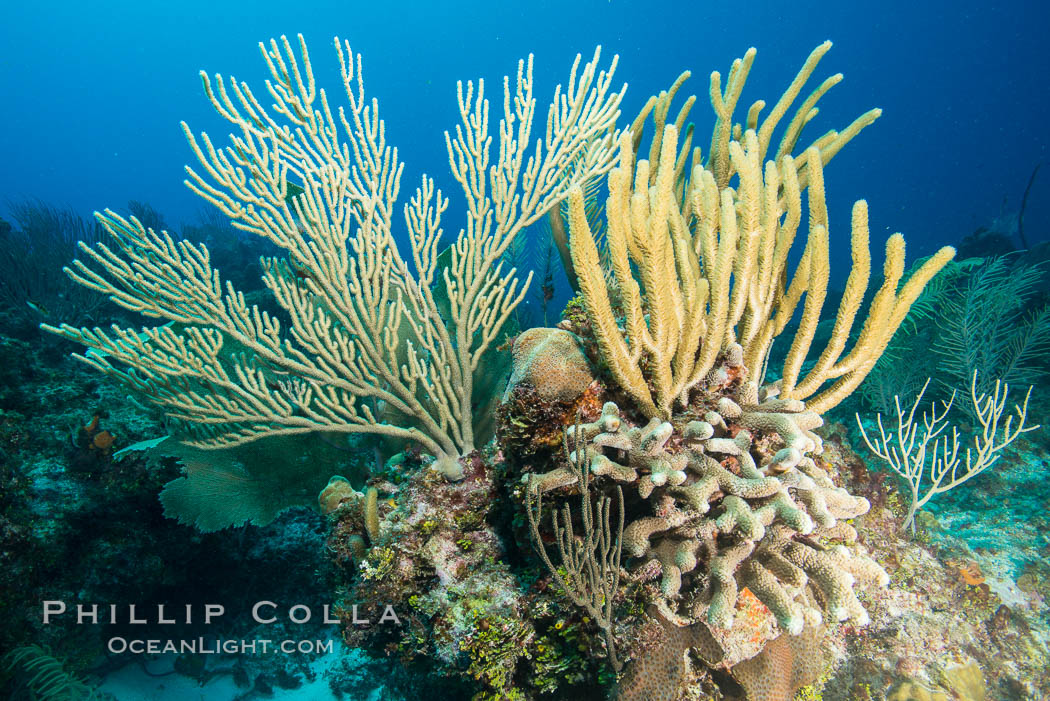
[{"x": 700, "y": 265}]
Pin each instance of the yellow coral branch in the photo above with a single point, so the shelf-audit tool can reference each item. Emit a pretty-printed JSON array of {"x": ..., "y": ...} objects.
[{"x": 705, "y": 268}]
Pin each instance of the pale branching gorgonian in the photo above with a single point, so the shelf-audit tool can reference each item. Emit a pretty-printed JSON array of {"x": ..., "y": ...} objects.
[{"x": 367, "y": 339}]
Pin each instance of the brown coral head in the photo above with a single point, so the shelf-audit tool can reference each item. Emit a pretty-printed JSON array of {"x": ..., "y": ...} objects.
[
  {"x": 658, "y": 668},
  {"x": 784, "y": 666},
  {"x": 335, "y": 493},
  {"x": 553, "y": 362}
]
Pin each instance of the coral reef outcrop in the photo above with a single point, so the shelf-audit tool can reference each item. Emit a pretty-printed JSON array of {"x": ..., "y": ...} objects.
[{"x": 734, "y": 501}]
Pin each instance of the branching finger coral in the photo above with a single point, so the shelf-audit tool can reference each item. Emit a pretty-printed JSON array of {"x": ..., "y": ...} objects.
[{"x": 713, "y": 504}]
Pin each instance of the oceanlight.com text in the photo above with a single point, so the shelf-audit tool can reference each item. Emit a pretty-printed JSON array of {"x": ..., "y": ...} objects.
[{"x": 202, "y": 646}]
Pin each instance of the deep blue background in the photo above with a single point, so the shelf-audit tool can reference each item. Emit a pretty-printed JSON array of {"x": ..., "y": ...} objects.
[{"x": 93, "y": 92}]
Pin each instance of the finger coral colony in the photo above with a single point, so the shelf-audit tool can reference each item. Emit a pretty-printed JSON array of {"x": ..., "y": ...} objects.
[{"x": 657, "y": 515}]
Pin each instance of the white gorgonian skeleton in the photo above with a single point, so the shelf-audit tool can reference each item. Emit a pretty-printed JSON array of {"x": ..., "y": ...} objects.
[
  {"x": 925, "y": 451},
  {"x": 368, "y": 334}
]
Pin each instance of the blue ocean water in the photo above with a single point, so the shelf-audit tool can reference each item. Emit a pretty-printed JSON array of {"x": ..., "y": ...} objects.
[{"x": 94, "y": 94}]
